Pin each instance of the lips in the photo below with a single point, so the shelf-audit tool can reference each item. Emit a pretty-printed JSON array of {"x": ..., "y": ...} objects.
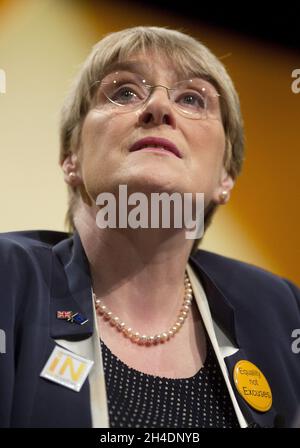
[{"x": 156, "y": 142}]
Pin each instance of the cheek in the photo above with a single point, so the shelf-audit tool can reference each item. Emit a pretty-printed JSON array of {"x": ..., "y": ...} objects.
[
  {"x": 207, "y": 146},
  {"x": 101, "y": 132},
  {"x": 92, "y": 133},
  {"x": 92, "y": 149},
  {"x": 101, "y": 135}
]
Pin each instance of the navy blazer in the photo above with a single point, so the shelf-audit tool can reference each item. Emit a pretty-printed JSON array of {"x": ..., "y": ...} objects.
[{"x": 42, "y": 272}]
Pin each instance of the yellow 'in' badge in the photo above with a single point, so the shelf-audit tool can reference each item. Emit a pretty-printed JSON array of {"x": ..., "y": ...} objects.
[{"x": 252, "y": 385}]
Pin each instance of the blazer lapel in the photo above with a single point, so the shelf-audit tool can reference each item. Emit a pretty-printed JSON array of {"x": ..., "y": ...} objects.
[
  {"x": 223, "y": 314},
  {"x": 71, "y": 291}
]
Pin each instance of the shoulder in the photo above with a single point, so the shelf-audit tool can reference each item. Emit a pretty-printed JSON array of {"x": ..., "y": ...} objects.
[
  {"x": 25, "y": 253},
  {"x": 221, "y": 265},
  {"x": 25, "y": 267},
  {"x": 239, "y": 279},
  {"x": 28, "y": 239},
  {"x": 28, "y": 243}
]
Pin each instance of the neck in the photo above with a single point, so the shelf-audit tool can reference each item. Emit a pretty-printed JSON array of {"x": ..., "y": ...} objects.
[{"x": 138, "y": 274}]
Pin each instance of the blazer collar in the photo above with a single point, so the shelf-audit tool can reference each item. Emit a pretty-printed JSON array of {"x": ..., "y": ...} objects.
[{"x": 71, "y": 291}]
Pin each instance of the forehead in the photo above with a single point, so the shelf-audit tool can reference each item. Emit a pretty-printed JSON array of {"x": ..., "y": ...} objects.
[{"x": 151, "y": 66}]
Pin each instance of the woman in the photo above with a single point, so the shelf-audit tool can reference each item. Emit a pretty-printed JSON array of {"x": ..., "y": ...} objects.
[{"x": 187, "y": 338}]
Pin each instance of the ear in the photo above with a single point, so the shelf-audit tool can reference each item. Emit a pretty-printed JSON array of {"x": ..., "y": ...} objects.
[
  {"x": 70, "y": 167},
  {"x": 222, "y": 191}
]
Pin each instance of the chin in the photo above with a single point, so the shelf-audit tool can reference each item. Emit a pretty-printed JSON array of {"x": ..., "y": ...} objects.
[
  {"x": 157, "y": 178},
  {"x": 153, "y": 184}
]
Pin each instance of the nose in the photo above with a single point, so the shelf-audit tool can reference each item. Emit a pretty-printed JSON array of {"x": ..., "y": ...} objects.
[{"x": 158, "y": 109}]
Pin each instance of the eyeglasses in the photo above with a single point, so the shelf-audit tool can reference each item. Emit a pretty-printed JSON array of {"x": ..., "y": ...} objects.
[{"x": 193, "y": 98}]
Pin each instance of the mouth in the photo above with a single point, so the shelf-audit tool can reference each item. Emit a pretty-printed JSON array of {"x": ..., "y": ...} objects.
[{"x": 156, "y": 143}]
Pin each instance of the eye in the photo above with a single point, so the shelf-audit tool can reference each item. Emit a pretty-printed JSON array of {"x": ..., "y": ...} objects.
[
  {"x": 192, "y": 100},
  {"x": 125, "y": 95}
]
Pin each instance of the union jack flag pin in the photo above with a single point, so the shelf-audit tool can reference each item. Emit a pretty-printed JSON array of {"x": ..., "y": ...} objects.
[{"x": 64, "y": 314}]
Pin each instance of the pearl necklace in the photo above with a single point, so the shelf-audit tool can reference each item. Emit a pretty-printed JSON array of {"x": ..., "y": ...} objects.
[{"x": 135, "y": 336}]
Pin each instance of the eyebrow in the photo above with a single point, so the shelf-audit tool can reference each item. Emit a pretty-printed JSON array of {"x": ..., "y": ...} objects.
[
  {"x": 144, "y": 68},
  {"x": 134, "y": 65}
]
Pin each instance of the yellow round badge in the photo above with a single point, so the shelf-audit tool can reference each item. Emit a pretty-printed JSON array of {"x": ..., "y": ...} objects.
[{"x": 252, "y": 385}]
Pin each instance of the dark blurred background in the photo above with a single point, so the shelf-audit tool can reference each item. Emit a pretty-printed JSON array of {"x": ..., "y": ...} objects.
[{"x": 277, "y": 22}]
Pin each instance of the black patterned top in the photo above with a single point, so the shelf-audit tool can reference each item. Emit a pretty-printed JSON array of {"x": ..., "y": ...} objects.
[{"x": 140, "y": 400}]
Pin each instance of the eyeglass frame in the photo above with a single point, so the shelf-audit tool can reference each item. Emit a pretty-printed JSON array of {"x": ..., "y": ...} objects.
[{"x": 150, "y": 88}]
